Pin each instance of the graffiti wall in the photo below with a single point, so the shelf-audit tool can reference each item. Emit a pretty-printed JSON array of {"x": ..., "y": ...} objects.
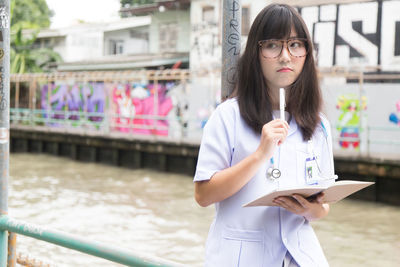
[
  {"x": 349, "y": 35},
  {"x": 350, "y": 107},
  {"x": 129, "y": 108},
  {"x": 356, "y": 34},
  {"x": 135, "y": 103},
  {"x": 352, "y": 34},
  {"x": 364, "y": 120},
  {"x": 75, "y": 98}
]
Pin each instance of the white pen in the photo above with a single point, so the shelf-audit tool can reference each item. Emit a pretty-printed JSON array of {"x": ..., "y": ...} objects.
[{"x": 282, "y": 102}]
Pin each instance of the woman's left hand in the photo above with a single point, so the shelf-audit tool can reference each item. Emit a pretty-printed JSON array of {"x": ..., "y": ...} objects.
[{"x": 311, "y": 210}]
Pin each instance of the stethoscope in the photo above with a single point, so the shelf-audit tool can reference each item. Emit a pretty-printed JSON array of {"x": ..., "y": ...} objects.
[{"x": 274, "y": 173}]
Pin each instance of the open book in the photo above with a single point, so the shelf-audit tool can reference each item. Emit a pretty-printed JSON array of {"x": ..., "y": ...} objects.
[{"x": 332, "y": 193}]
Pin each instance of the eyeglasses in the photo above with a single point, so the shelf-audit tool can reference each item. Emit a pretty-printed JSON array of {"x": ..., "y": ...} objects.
[{"x": 272, "y": 48}]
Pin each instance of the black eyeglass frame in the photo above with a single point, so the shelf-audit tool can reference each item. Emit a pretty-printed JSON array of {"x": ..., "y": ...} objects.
[{"x": 260, "y": 43}]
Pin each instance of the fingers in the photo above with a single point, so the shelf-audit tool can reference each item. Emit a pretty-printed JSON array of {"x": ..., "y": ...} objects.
[
  {"x": 276, "y": 130},
  {"x": 301, "y": 206},
  {"x": 302, "y": 201},
  {"x": 273, "y": 133},
  {"x": 320, "y": 197},
  {"x": 280, "y": 135},
  {"x": 290, "y": 204},
  {"x": 279, "y": 123}
]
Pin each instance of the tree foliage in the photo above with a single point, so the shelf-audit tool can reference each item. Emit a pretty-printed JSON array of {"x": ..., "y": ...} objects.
[
  {"x": 29, "y": 15},
  {"x": 26, "y": 59}
]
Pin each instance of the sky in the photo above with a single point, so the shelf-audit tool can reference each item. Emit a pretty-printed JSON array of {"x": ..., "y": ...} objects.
[{"x": 69, "y": 12}]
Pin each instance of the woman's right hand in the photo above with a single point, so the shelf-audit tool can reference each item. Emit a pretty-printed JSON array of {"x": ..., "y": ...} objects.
[
  {"x": 229, "y": 181},
  {"x": 273, "y": 134}
]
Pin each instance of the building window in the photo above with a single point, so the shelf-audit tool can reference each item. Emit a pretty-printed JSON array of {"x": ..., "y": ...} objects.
[
  {"x": 139, "y": 35},
  {"x": 43, "y": 43},
  {"x": 116, "y": 47},
  {"x": 245, "y": 20},
  {"x": 168, "y": 37},
  {"x": 208, "y": 14}
]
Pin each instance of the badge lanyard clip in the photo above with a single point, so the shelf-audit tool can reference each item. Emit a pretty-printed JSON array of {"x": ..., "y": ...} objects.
[
  {"x": 312, "y": 165},
  {"x": 310, "y": 148}
]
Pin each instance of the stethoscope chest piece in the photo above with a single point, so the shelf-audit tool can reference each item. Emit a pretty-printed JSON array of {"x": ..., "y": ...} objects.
[{"x": 273, "y": 173}]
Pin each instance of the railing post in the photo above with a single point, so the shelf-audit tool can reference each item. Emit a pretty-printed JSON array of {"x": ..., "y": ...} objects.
[
  {"x": 4, "y": 119},
  {"x": 12, "y": 250},
  {"x": 231, "y": 45}
]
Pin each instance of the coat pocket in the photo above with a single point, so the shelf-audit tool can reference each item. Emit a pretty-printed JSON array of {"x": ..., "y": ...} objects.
[{"x": 242, "y": 248}]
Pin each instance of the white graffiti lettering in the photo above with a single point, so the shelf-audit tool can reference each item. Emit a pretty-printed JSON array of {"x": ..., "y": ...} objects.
[
  {"x": 4, "y": 18},
  {"x": 362, "y": 34}
]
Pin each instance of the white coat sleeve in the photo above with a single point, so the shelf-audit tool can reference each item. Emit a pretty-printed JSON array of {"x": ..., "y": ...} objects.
[{"x": 216, "y": 147}]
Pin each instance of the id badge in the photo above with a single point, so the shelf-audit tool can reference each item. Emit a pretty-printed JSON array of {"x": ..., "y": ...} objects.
[{"x": 311, "y": 170}]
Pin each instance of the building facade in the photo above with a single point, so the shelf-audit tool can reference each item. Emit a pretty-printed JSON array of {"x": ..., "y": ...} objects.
[{"x": 144, "y": 41}]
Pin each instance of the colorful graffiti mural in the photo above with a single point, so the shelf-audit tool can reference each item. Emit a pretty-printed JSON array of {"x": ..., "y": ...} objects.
[
  {"x": 88, "y": 97},
  {"x": 394, "y": 117},
  {"x": 349, "y": 119},
  {"x": 137, "y": 102},
  {"x": 132, "y": 105}
]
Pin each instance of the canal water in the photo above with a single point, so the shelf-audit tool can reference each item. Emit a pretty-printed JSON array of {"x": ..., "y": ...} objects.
[{"x": 155, "y": 213}]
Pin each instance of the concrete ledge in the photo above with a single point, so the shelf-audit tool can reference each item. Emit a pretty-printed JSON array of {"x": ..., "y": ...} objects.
[{"x": 130, "y": 153}]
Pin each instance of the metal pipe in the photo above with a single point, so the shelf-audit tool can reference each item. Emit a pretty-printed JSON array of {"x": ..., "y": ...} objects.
[
  {"x": 12, "y": 250},
  {"x": 82, "y": 244},
  {"x": 231, "y": 45},
  {"x": 4, "y": 119}
]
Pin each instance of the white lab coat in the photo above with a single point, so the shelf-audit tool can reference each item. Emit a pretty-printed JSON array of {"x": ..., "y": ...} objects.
[{"x": 259, "y": 236}]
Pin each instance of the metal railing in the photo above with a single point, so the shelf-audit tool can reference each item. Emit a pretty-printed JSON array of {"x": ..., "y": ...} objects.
[
  {"x": 77, "y": 243},
  {"x": 96, "y": 123}
]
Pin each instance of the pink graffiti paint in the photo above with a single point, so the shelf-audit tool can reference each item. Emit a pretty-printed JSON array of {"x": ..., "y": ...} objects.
[
  {"x": 130, "y": 108},
  {"x": 146, "y": 107}
]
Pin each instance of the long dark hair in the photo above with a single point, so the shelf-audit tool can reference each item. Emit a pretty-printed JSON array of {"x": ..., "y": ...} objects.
[{"x": 254, "y": 97}]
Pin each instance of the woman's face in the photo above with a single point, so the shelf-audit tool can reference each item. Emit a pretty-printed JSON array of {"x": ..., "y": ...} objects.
[{"x": 283, "y": 70}]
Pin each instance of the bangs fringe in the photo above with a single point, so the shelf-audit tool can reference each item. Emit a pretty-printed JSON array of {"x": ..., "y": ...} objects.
[{"x": 279, "y": 22}]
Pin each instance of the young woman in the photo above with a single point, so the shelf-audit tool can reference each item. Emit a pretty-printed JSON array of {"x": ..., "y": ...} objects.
[{"x": 244, "y": 140}]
